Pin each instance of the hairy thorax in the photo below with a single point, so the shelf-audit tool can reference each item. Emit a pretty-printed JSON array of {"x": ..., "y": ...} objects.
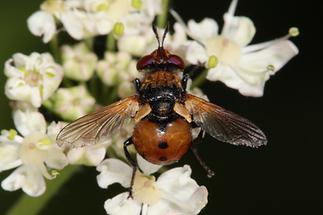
[{"x": 161, "y": 89}]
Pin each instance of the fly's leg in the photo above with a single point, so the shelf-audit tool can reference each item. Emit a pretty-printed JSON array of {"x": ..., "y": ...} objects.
[
  {"x": 141, "y": 208},
  {"x": 209, "y": 172},
  {"x": 132, "y": 162},
  {"x": 184, "y": 81},
  {"x": 137, "y": 84},
  {"x": 186, "y": 74}
]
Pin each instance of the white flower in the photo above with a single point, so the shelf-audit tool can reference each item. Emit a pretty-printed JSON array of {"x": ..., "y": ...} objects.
[
  {"x": 90, "y": 155},
  {"x": 32, "y": 78},
  {"x": 174, "y": 192},
  {"x": 139, "y": 43},
  {"x": 78, "y": 62},
  {"x": 177, "y": 43},
  {"x": 151, "y": 8},
  {"x": 43, "y": 24},
  {"x": 86, "y": 18},
  {"x": 118, "y": 69},
  {"x": 95, "y": 17},
  {"x": 240, "y": 66},
  {"x": 35, "y": 153},
  {"x": 143, "y": 41},
  {"x": 71, "y": 103},
  {"x": 79, "y": 24}
]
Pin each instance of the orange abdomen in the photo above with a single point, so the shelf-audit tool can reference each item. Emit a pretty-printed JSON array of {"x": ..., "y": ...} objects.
[{"x": 162, "y": 145}]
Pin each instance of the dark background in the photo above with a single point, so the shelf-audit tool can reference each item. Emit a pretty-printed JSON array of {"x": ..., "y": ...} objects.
[{"x": 283, "y": 177}]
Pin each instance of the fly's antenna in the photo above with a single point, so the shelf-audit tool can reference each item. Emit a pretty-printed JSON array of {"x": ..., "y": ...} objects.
[
  {"x": 164, "y": 35},
  {"x": 156, "y": 34}
]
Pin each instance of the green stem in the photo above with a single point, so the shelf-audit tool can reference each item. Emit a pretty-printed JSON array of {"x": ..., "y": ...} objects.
[
  {"x": 199, "y": 80},
  {"x": 54, "y": 46},
  {"x": 104, "y": 93},
  {"x": 89, "y": 43},
  {"x": 33, "y": 206},
  {"x": 162, "y": 18},
  {"x": 94, "y": 86},
  {"x": 111, "y": 42}
]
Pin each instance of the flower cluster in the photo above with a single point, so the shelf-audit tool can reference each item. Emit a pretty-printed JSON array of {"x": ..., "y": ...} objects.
[
  {"x": 87, "y": 18},
  {"x": 47, "y": 92}
]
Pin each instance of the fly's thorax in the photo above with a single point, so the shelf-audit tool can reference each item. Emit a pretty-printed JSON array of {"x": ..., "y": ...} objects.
[
  {"x": 163, "y": 107},
  {"x": 161, "y": 89},
  {"x": 160, "y": 79}
]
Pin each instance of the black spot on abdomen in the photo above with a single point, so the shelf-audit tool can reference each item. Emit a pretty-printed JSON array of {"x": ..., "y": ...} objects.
[
  {"x": 163, "y": 158},
  {"x": 163, "y": 145}
]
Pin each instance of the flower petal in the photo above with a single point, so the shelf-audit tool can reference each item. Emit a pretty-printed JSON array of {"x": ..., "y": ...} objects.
[
  {"x": 122, "y": 205},
  {"x": 196, "y": 53},
  {"x": 147, "y": 167},
  {"x": 152, "y": 8},
  {"x": 78, "y": 62},
  {"x": 113, "y": 171},
  {"x": 134, "y": 44},
  {"x": 54, "y": 128},
  {"x": 12, "y": 71},
  {"x": 237, "y": 28},
  {"x": 233, "y": 78},
  {"x": 42, "y": 23},
  {"x": 28, "y": 178},
  {"x": 29, "y": 121},
  {"x": 277, "y": 55},
  {"x": 72, "y": 22},
  {"x": 9, "y": 156},
  {"x": 203, "y": 30},
  {"x": 89, "y": 155},
  {"x": 56, "y": 159},
  {"x": 255, "y": 68},
  {"x": 17, "y": 89},
  {"x": 163, "y": 207},
  {"x": 20, "y": 60},
  {"x": 179, "y": 188},
  {"x": 35, "y": 97}
]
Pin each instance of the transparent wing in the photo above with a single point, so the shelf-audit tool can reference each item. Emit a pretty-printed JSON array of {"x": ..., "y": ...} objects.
[
  {"x": 224, "y": 125},
  {"x": 88, "y": 129}
]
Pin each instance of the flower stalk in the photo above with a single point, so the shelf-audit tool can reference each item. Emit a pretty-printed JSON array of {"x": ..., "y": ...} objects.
[
  {"x": 54, "y": 46},
  {"x": 111, "y": 43},
  {"x": 200, "y": 79},
  {"x": 162, "y": 18}
]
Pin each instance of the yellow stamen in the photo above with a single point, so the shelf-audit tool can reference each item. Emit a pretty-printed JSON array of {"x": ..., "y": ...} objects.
[
  {"x": 102, "y": 7},
  {"x": 50, "y": 74},
  {"x": 212, "y": 62},
  {"x": 118, "y": 29},
  {"x": 45, "y": 141},
  {"x": 136, "y": 4},
  {"x": 271, "y": 68},
  {"x": 293, "y": 32},
  {"x": 54, "y": 173},
  {"x": 12, "y": 134}
]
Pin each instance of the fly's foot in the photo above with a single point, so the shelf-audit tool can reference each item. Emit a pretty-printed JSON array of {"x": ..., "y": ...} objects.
[
  {"x": 130, "y": 196},
  {"x": 210, "y": 173}
]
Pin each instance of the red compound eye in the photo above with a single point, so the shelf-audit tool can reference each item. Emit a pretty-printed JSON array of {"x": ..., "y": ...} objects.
[
  {"x": 176, "y": 60},
  {"x": 160, "y": 57},
  {"x": 145, "y": 61}
]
